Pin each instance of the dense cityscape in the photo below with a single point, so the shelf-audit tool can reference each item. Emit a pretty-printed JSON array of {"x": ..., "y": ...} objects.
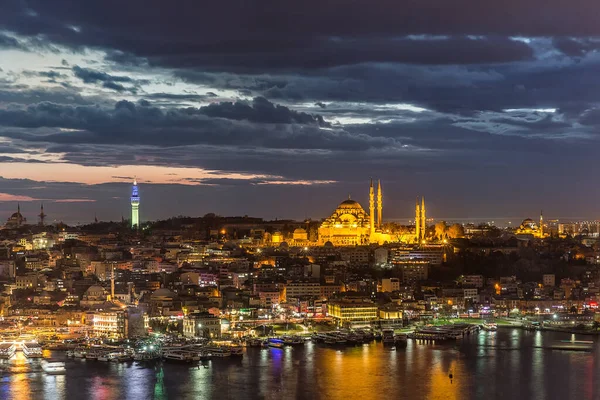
[
  {"x": 239, "y": 278},
  {"x": 309, "y": 200}
]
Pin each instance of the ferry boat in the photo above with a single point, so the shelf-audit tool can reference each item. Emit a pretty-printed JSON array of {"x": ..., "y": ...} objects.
[
  {"x": 177, "y": 356},
  {"x": 275, "y": 342},
  {"x": 388, "y": 336},
  {"x": 32, "y": 350},
  {"x": 216, "y": 351},
  {"x": 54, "y": 367},
  {"x": 7, "y": 350}
]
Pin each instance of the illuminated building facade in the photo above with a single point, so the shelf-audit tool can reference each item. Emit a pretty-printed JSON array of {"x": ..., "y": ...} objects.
[
  {"x": 350, "y": 225},
  {"x": 112, "y": 324},
  {"x": 352, "y": 312},
  {"x": 201, "y": 325},
  {"x": 135, "y": 205}
]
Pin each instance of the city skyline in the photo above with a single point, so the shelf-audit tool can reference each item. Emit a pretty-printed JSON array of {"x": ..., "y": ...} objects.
[{"x": 483, "y": 117}]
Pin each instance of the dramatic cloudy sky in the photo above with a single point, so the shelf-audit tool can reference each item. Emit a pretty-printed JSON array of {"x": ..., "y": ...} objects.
[{"x": 282, "y": 109}]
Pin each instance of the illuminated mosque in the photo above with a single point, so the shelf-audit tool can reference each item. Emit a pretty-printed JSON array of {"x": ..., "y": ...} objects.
[
  {"x": 529, "y": 228},
  {"x": 350, "y": 225}
]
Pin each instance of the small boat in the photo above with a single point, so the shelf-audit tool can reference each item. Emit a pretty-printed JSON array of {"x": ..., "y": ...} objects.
[
  {"x": 400, "y": 340},
  {"x": 254, "y": 343},
  {"x": 489, "y": 326},
  {"x": 146, "y": 357},
  {"x": 54, "y": 367},
  {"x": 237, "y": 351},
  {"x": 388, "y": 336},
  {"x": 275, "y": 342},
  {"x": 103, "y": 357}
]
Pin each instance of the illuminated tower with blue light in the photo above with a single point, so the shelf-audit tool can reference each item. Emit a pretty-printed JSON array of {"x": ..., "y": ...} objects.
[{"x": 135, "y": 205}]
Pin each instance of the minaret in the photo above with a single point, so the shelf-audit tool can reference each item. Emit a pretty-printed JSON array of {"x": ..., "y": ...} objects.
[
  {"x": 379, "y": 204},
  {"x": 135, "y": 205},
  {"x": 112, "y": 284},
  {"x": 42, "y": 215},
  {"x": 423, "y": 219},
  {"x": 542, "y": 224},
  {"x": 417, "y": 221},
  {"x": 372, "y": 209}
]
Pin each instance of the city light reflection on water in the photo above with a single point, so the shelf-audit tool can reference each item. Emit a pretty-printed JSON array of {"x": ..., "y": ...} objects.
[{"x": 504, "y": 364}]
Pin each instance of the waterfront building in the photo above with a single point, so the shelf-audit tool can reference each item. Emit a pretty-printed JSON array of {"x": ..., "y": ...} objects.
[
  {"x": 110, "y": 323},
  {"x": 135, "y": 205},
  {"x": 390, "y": 314},
  {"x": 352, "y": 311},
  {"x": 201, "y": 324}
]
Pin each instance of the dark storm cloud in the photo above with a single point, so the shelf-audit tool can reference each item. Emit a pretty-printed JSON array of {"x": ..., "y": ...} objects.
[
  {"x": 261, "y": 110},
  {"x": 108, "y": 81},
  {"x": 576, "y": 47},
  {"x": 313, "y": 69},
  {"x": 262, "y": 124}
]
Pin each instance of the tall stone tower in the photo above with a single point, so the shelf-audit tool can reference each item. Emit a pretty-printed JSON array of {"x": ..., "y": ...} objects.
[
  {"x": 379, "y": 205},
  {"x": 542, "y": 224},
  {"x": 372, "y": 208},
  {"x": 135, "y": 205}
]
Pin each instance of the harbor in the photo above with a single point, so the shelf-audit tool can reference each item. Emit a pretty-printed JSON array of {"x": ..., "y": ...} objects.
[{"x": 310, "y": 369}]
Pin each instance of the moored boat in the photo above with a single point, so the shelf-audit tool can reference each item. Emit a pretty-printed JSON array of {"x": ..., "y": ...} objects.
[
  {"x": 388, "y": 336},
  {"x": 32, "y": 350},
  {"x": 276, "y": 342},
  {"x": 7, "y": 350},
  {"x": 53, "y": 367}
]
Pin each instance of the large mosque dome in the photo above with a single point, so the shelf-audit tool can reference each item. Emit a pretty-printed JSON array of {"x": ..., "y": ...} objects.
[{"x": 350, "y": 204}]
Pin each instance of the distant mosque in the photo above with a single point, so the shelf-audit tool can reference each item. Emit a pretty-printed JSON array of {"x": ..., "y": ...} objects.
[
  {"x": 529, "y": 228},
  {"x": 16, "y": 220},
  {"x": 350, "y": 225}
]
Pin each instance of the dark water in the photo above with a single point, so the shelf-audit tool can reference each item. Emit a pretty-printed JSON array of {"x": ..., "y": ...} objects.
[{"x": 507, "y": 364}]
